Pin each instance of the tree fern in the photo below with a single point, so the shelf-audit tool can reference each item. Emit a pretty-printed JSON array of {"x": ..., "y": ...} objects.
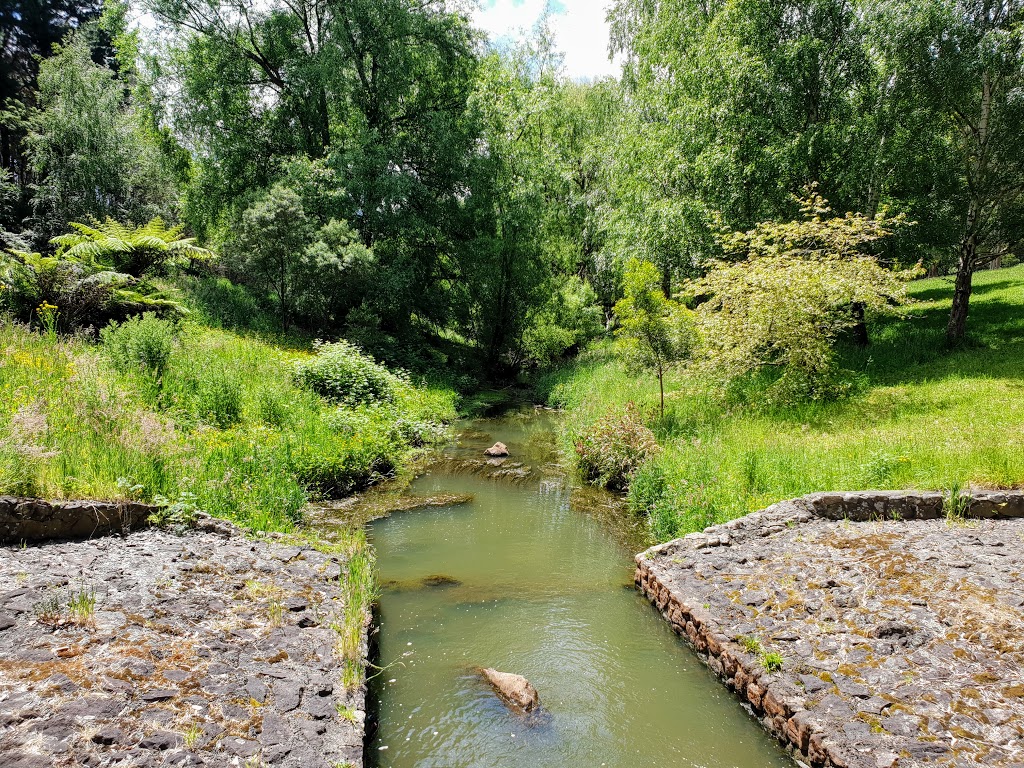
[{"x": 135, "y": 251}]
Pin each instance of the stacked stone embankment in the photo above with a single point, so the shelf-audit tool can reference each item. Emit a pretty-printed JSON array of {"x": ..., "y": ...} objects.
[
  {"x": 29, "y": 520},
  {"x": 863, "y": 629}
]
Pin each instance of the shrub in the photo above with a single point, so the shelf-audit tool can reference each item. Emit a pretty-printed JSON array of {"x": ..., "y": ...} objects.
[
  {"x": 612, "y": 450},
  {"x": 141, "y": 344},
  {"x": 343, "y": 374}
]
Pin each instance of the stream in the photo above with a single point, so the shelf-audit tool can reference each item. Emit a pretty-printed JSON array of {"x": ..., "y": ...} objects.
[{"x": 521, "y": 580}]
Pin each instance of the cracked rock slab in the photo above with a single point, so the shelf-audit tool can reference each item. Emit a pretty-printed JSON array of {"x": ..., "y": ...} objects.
[
  {"x": 900, "y": 636},
  {"x": 191, "y": 650}
]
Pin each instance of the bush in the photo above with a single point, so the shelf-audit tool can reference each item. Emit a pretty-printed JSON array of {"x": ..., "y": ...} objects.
[
  {"x": 611, "y": 451},
  {"x": 343, "y": 374},
  {"x": 141, "y": 344}
]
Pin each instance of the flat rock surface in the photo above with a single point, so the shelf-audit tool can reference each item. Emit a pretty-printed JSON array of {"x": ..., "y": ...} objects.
[
  {"x": 201, "y": 650},
  {"x": 904, "y": 640}
]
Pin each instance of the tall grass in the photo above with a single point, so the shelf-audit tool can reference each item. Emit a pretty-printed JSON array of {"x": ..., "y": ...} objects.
[
  {"x": 922, "y": 417},
  {"x": 224, "y": 421}
]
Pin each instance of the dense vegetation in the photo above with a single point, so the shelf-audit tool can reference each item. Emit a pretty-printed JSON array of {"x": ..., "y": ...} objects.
[
  {"x": 919, "y": 417},
  {"x": 741, "y": 211},
  {"x": 201, "y": 418}
]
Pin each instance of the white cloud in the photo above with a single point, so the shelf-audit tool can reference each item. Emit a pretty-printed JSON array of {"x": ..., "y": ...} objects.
[{"x": 579, "y": 26}]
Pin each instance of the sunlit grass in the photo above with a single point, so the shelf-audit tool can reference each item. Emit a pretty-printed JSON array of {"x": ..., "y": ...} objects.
[
  {"x": 923, "y": 417},
  {"x": 225, "y": 423}
]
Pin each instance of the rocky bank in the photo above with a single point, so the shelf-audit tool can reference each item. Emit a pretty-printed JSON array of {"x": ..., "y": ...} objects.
[
  {"x": 157, "y": 649},
  {"x": 865, "y": 630}
]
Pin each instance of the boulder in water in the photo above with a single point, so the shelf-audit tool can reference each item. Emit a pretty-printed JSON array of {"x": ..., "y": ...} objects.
[
  {"x": 514, "y": 690},
  {"x": 497, "y": 450}
]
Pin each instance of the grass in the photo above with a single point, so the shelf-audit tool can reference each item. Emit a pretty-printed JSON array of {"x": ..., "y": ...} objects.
[
  {"x": 224, "y": 429},
  {"x": 82, "y": 607},
  {"x": 359, "y": 592},
  {"x": 922, "y": 416}
]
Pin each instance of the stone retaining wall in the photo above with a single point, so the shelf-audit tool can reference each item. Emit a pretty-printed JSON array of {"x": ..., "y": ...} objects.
[
  {"x": 29, "y": 520},
  {"x": 773, "y": 699}
]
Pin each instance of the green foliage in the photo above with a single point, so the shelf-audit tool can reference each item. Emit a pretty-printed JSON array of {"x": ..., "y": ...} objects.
[
  {"x": 112, "y": 246},
  {"x": 566, "y": 323},
  {"x": 772, "y": 662},
  {"x": 30, "y": 280},
  {"x": 791, "y": 295},
  {"x": 611, "y": 451},
  {"x": 140, "y": 344},
  {"x": 179, "y": 514},
  {"x": 921, "y": 417},
  {"x": 313, "y": 272},
  {"x": 751, "y": 644},
  {"x": 89, "y": 148},
  {"x": 343, "y": 374},
  {"x": 227, "y": 425},
  {"x": 654, "y": 332}
]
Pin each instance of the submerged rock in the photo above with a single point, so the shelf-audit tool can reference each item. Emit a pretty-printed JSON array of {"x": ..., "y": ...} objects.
[
  {"x": 514, "y": 690},
  {"x": 440, "y": 580},
  {"x": 497, "y": 450}
]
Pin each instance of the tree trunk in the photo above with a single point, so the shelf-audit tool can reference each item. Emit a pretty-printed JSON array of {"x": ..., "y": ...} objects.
[
  {"x": 957, "y": 326},
  {"x": 977, "y": 172},
  {"x": 860, "y": 326}
]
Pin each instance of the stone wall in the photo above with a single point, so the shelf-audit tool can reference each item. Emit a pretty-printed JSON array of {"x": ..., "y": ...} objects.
[
  {"x": 30, "y": 520},
  {"x": 771, "y": 697}
]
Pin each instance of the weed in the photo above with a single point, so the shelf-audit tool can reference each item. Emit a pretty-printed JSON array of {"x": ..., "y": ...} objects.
[
  {"x": 956, "y": 504},
  {"x": 49, "y": 609},
  {"x": 751, "y": 644},
  {"x": 191, "y": 735},
  {"x": 82, "y": 606},
  {"x": 275, "y": 612},
  {"x": 179, "y": 515},
  {"x": 772, "y": 662},
  {"x": 346, "y": 713},
  {"x": 351, "y": 674}
]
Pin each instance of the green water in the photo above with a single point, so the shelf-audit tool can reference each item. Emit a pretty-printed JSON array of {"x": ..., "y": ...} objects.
[{"x": 544, "y": 591}]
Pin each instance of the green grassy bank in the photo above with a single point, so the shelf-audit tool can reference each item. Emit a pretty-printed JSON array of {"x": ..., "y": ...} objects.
[
  {"x": 224, "y": 427},
  {"x": 922, "y": 416}
]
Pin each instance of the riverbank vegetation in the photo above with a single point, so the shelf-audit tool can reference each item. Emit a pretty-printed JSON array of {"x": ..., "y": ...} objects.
[
  {"x": 916, "y": 416},
  {"x": 197, "y": 416}
]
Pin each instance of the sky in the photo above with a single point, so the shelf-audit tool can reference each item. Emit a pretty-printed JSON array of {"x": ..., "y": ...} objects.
[{"x": 579, "y": 26}]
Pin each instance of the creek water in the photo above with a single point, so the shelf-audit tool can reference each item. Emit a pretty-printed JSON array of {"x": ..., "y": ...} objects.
[{"x": 520, "y": 580}]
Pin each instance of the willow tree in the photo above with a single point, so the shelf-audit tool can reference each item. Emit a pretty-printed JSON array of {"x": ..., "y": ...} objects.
[{"x": 965, "y": 58}]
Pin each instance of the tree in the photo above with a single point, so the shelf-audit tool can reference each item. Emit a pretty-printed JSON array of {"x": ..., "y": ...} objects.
[
  {"x": 966, "y": 58},
  {"x": 29, "y": 30},
  {"x": 304, "y": 266},
  {"x": 88, "y": 148},
  {"x": 654, "y": 332},
  {"x": 375, "y": 93},
  {"x": 733, "y": 106},
  {"x": 784, "y": 300}
]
